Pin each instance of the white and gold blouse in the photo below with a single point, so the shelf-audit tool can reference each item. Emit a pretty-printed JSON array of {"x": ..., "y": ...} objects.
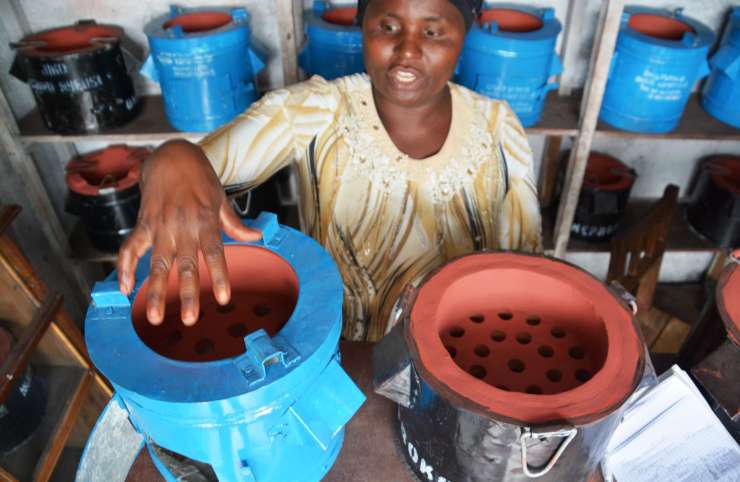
[{"x": 386, "y": 219}]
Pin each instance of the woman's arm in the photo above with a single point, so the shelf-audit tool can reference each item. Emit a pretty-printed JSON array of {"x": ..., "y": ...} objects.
[
  {"x": 520, "y": 222},
  {"x": 183, "y": 205}
]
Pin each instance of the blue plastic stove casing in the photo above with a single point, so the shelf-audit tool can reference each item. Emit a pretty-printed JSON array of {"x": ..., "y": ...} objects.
[
  {"x": 651, "y": 78},
  {"x": 207, "y": 77},
  {"x": 513, "y": 66},
  {"x": 331, "y": 50},
  {"x": 275, "y": 413},
  {"x": 721, "y": 94}
]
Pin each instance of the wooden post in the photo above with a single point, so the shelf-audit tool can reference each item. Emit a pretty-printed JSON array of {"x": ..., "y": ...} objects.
[
  {"x": 286, "y": 14},
  {"x": 549, "y": 170},
  {"x": 601, "y": 57}
]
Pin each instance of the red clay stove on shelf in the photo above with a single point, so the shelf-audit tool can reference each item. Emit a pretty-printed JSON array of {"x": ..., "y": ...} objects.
[
  {"x": 601, "y": 205},
  {"x": 509, "y": 367},
  {"x": 104, "y": 192},
  {"x": 718, "y": 373},
  {"x": 78, "y": 76},
  {"x": 714, "y": 210}
]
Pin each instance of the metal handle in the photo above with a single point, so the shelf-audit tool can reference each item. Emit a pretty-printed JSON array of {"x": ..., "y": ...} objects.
[
  {"x": 625, "y": 296},
  {"x": 568, "y": 435},
  {"x": 735, "y": 256}
]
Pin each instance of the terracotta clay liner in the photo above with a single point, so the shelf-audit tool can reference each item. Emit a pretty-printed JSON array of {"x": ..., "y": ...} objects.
[
  {"x": 199, "y": 21},
  {"x": 725, "y": 171},
  {"x": 525, "y": 338},
  {"x": 658, "y": 26},
  {"x": 264, "y": 291},
  {"x": 510, "y": 20},
  {"x": 117, "y": 167},
  {"x": 607, "y": 173},
  {"x": 728, "y": 299},
  {"x": 67, "y": 40},
  {"x": 340, "y": 16}
]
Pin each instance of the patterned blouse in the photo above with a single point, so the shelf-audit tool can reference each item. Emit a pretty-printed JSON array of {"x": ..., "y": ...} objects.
[{"x": 386, "y": 219}]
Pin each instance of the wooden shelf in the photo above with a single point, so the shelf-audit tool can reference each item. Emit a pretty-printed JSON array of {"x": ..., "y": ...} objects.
[
  {"x": 150, "y": 125},
  {"x": 84, "y": 251},
  {"x": 695, "y": 124},
  {"x": 65, "y": 389},
  {"x": 560, "y": 118},
  {"x": 681, "y": 236}
]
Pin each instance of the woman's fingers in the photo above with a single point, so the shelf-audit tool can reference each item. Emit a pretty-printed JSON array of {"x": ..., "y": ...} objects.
[
  {"x": 128, "y": 257},
  {"x": 212, "y": 247},
  {"x": 187, "y": 271},
  {"x": 163, "y": 253},
  {"x": 233, "y": 226}
]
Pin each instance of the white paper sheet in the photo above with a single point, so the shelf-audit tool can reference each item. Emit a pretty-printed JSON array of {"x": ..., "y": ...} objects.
[{"x": 671, "y": 434}]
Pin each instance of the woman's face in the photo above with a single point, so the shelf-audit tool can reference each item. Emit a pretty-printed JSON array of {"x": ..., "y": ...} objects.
[{"x": 411, "y": 48}]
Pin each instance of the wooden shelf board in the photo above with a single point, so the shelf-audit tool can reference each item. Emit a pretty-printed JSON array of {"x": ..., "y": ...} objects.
[
  {"x": 560, "y": 118},
  {"x": 84, "y": 251},
  {"x": 62, "y": 384},
  {"x": 695, "y": 123},
  {"x": 150, "y": 125},
  {"x": 681, "y": 236}
]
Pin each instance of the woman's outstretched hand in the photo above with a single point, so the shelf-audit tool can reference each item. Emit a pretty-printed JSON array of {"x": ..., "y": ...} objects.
[{"x": 183, "y": 210}]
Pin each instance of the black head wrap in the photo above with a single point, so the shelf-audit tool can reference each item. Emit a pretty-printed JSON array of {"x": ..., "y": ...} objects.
[{"x": 470, "y": 10}]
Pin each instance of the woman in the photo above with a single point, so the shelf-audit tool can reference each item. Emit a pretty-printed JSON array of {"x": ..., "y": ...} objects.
[{"x": 400, "y": 170}]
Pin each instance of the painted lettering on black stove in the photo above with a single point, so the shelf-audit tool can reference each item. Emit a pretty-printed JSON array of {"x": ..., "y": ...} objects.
[{"x": 420, "y": 463}]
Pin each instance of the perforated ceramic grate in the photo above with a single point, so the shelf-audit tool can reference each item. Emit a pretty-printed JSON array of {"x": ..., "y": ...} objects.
[
  {"x": 264, "y": 293},
  {"x": 524, "y": 350}
]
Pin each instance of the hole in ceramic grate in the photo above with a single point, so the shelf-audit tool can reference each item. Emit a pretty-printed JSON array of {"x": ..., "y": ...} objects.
[
  {"x": 554, "y": 375},
  {"x": 546, "y": 351},
  {"x": 533, "y": 320},
  {"x": 498, "y": 336},
  {"x": 238, "y": 330},
  {"x": 452, "y": 351},
  {"x": 477, "y": 318},
  {"x": 482, "y": 351},
  {"x": 173, "y": 338},
  {"x": 516, "y": 365},
  {"x": 457, "y": 332},
  {"x": 478, "y": 372},
  {"x": 523, "y": 338},
  {"x": 557, "y": 332},
  {"x": 505, "y": 315},
  {"x": 577, "y": 353},
  {"x": 264, "y": 293},
  {"x": 533, "y": 390},
  {"x": 583, "y": 375},
  {"x": 204, "y": 347}
]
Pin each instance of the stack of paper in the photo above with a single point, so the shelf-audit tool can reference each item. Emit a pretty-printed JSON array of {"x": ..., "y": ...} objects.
[{"x": 671, "y": 434}]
